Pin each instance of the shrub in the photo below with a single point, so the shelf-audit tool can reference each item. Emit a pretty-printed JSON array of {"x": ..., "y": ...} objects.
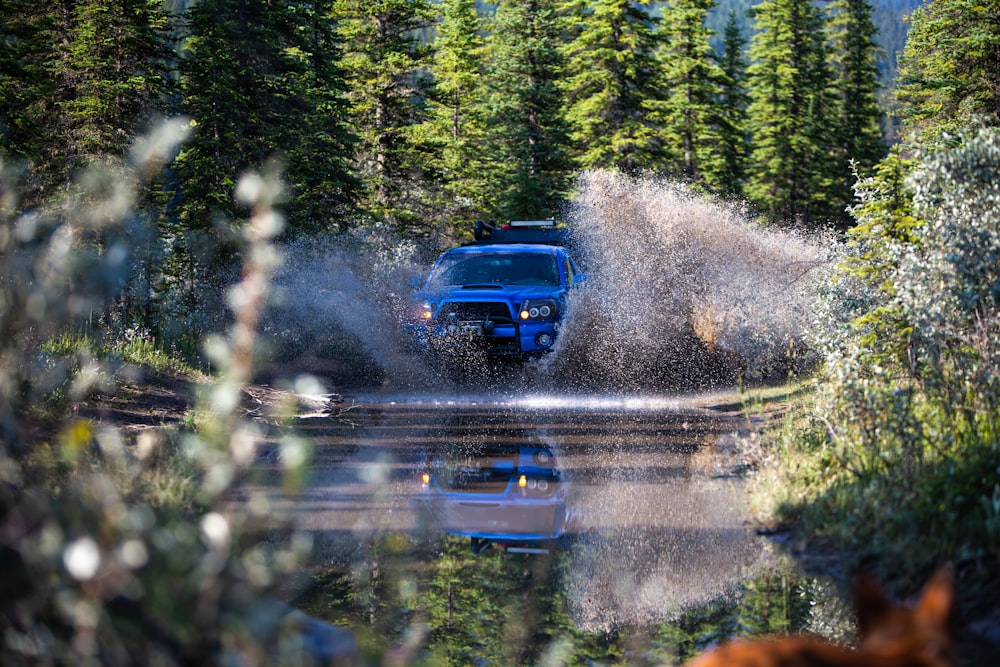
[
  {"x": 907, "y": 405},
  {"x": 112, "y": 550}
]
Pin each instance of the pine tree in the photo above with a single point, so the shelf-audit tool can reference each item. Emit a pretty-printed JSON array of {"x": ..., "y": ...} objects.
[
  {"x": 456, "y": 118},
  {"x": 79, "y": 82},
  {"x": 30, "y": 43},
  {"x": 790, "y": 113},
  {"x": 852, "y": 55},
  {"x": 726, "y": 171},
  {"x": 26, "y": 42},
  {"x": 693, "y": 80},
  {"x": 613, "y": 80},
  {"x": 529, "y": 137},
  {"x": 385, "y": 60},
  {"x": 258, "y": 84},
  {"x": 115, "y": 68},
  {"x": 316, "y": 136},
  {"x": 949, "y": 74},
  {"x": 224, "y": 93}
]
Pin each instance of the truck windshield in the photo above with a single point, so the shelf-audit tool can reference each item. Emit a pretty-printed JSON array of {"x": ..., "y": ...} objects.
[{"x": 501, "y": 268}]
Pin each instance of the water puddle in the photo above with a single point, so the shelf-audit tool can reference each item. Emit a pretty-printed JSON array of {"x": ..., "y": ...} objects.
[
  {"x": 515, "y": 530},
  {"x": 505, "y": 609}
]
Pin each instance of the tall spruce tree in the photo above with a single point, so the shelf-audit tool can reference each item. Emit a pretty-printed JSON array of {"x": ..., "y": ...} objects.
[
  {"x": 726, "y": 170},
  {"x": 79, "y": 82},
  {"x": 852, "y": 55},
  {"x": 115, "y": 66},
  {"x": 257, "y": 83},
  {"x": 791, "y": 112},
  {"x": 456, "y": 110},
  {"x": 693, "y": 79},
  {"x": 949, "y": 75},
  {"x": 612, "y": 82},
  {"x": 385, "y": 61},
  {"x": 529, "y": 140},
  {"x": 317, "y": 139},
  {"x": 32, "y": 35}
]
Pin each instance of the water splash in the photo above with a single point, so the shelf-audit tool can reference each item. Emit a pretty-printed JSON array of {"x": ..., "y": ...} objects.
[
  {"x": 682, "y": 291},
  {"x": 339, "y": 301}
]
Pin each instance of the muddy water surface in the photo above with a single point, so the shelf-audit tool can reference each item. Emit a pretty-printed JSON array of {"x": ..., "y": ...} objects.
[{"x": 625, "y": 543}]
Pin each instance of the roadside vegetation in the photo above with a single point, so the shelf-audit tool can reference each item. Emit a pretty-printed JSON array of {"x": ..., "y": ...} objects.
[
  {"x": 894, "y": 457},
  {"x": 114, "y": 548}
]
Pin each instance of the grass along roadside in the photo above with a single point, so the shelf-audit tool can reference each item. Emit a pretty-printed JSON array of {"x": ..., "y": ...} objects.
[{"x": 898, "y": 519}]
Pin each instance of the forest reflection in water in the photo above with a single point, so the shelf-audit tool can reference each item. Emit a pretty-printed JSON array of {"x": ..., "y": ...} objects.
[{"x": 632, "y": 515}]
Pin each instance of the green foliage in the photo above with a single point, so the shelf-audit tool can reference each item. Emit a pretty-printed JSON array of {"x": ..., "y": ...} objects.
[
  {"x": 135, "y": 347},
  {"x": 726, "y": 172},
  {"x": 115, "y": 70},
  {"x": 693, "y": 80},
  {"x": 257, "y": 82},
  {"x": 456, "y": 123},
  {"x": 791, "y": 113},
  {"x": 317, "y": 136},
  {"x": 112, "y": 545},
  {"x": 852, "y": 54},
  {"x": 904, "y": 448},
  {"x": 949, "y": 68},
  {"x": 613, "y": 85},
  {"x": 528, "y": 136},
  {"x": 79, "y": 83},
  {"x": 28, "y": 85},
  {"x": 370, "y": 129},
  {"x": 387, "y": 91},
  {"x": 256, "y": 85}
]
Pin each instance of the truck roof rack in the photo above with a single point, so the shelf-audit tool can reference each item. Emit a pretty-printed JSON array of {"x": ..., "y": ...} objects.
[{"x": 523, "y": 231}]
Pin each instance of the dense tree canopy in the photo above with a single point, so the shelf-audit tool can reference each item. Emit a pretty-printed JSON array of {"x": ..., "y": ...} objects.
[
  {"x": 423, "y": 115},
  {"x": 790, "y": 114},
  {"x": 456, "y": 109},
  {"x": 727, "y": 168},
  {"x": 693, "y": 80},
  {"x": 853, "y": 58},
  {"x": 950, "y": 68},
  {"x": 613, "y": 85},
  {"x": 529, "y": 134},
  {"x": 114, "y": 72},
  {"x": 384, "y": 60}
]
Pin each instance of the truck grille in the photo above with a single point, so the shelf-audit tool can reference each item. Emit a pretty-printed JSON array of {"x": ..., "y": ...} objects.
[{"x": 495, "y": 311}]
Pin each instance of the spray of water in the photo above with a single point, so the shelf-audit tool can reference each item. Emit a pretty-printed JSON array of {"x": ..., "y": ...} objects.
[
  {"x": 339, "y": 301},
  {"x": 682, "y": 291}
]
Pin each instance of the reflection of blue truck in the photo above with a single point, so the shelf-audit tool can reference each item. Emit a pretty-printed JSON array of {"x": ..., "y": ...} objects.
[
  {"x": 509, "y": 495},
  {"x": 504, "y": 294}
]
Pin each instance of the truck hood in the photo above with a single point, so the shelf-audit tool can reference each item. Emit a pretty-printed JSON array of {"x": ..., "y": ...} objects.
[{"x": 492, "y": 292}]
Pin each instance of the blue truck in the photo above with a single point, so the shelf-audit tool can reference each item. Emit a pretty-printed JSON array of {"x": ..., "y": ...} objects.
[{"x": 504, "y": 294}]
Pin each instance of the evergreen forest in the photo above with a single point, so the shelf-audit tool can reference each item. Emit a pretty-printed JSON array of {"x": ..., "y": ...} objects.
[{"x": 418, "y": 117}]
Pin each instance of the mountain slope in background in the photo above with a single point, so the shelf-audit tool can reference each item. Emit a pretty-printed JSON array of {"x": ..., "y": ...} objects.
[{"x": 890, "y": 19}]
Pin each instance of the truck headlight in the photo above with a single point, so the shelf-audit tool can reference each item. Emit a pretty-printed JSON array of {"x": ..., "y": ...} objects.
[
  {"x": 421, "y": 312},
  {"x": 538, "y": 309}
]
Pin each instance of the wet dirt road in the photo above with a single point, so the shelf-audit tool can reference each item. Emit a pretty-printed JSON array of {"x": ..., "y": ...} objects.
[{"x": 642, "y": 498}]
